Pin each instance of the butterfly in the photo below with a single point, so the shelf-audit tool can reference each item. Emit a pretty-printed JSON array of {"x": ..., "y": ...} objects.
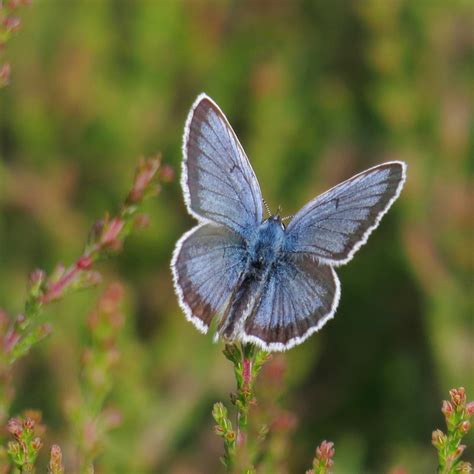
[{"x": 264, "y": 282}]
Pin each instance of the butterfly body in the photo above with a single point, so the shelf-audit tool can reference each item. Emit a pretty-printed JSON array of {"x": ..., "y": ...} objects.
[
  {"x": 266, "y": 284},
  {"x": 262, "y": 253}
]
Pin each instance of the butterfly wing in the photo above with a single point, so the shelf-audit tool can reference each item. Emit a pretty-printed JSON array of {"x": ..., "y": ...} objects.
[
  {"x": 333, "y": 226},
  {"x": 207, "y": 264},
  {"x": 218, "y": 182},
  {"x": 298, "y": 299}
]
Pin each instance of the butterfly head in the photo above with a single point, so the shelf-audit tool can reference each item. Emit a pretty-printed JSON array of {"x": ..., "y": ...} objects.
[{"x": 276, "y": 220}]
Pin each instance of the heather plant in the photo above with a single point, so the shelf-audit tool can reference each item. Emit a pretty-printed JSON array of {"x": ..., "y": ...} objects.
[
  {"x": 256, "y": 440},
  {"x": 317, "y": 90},
  {"x": 457, "y": 413},
  {"x": 89, "y": 419}
]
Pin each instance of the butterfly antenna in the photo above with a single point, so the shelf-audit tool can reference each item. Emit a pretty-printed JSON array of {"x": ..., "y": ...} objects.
[
  {"x": 267, "y": 207},
  {"x": 287, "y": 217}
]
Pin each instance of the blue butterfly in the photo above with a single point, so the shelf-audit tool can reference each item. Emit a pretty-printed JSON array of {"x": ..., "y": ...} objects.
[{"x": 267, "y": 284}]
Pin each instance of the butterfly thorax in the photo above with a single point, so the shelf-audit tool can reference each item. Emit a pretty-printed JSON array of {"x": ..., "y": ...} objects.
[{"x": 264, "y": 245}]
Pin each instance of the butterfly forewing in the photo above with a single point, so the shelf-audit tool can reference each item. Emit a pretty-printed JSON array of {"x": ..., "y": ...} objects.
[
  {"x": 207, "y": 264},
  {"x": 298, "y": 299},
  {"x": 218, "y": 182},
  {"x": 333, "y": 226}
]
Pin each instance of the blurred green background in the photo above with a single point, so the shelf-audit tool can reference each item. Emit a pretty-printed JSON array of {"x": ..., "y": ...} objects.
[{"x": 316, "y": 91}]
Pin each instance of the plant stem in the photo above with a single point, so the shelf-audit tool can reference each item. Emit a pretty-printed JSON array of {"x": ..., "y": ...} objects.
[{"x": 247, "y": 360}]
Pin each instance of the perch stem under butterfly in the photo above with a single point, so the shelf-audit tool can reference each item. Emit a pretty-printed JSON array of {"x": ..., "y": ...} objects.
[{"x": 247, "y": 360}]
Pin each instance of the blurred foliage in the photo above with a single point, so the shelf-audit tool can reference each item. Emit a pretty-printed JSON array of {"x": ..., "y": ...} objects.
[{"x": 316, "y": 91}]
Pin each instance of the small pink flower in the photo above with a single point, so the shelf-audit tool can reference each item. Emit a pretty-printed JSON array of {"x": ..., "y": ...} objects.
[
  {"x": 447, "y": 408},
  {"x": 438, "y": 439},
  {"x": 146, "y": 172},
  {"x": 36, "y": 444},
  {"x": 459, "y": 450},
  {"x": 84, "y": 263},
  {"x": 458, "y": 396},
  {"x": 56, "y": 459},
  {"x": 28, "y": 423},
  {"x": 14, "y": 427},
  {"x": 325, "y": 450},
  {"x": 12, "y": 24},
  {"x": 464, "y": 427}
]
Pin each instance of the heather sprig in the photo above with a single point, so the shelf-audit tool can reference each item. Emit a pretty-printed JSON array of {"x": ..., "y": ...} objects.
[
  {"x": 89, "y": 417},
  {"x": 10, "y": 23},
  {"x": 224, "y": 428},
  {"x": 247, "y": 360},
  {"x": 457, "y": 413},
  {"x": 105, "y": 238},
  {"x": 20, "y": 333},
  {"x": 323, "y": 459},
  {"x": 56, "y": 460},
  {"x": 24, "y": 449}
]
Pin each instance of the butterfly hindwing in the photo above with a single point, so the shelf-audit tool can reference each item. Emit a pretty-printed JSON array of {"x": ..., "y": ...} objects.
[
  {"x": 218, "y": 182},
  {"x": 207, "y": 263},
  {"x": 333, "y": 226},
  {"x": 299, "y": 297}
]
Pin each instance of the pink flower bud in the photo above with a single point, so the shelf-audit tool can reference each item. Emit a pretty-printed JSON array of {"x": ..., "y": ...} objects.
[
  {"x": 36, "y": 444},
  {"x": 458, "y": 396},
  {"x": 14, "y": 427},
  {"x": 470, "y": 408},
  {"x": 438, "y": 439},
  {"x": 464, "y": 467},
  {"x": 447, "y": 408},
  {"x": 28, "y": 423},
  {"x": 84, "y": 263},
  {"x": 459, "y": 450},
  {"x": 325, "y": 450},
  {"x": 146, "y": 172},
  {"x": 11, "y": 24},
  {"x": 56, "y": 451},
  {"x": 14, "y": 448},
  {"x": 464, "y": 427},
  {"x": 55, "y": 460}
]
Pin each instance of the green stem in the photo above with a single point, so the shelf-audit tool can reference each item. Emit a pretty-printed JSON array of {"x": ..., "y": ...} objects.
[{"x": 247, "y": 360}]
